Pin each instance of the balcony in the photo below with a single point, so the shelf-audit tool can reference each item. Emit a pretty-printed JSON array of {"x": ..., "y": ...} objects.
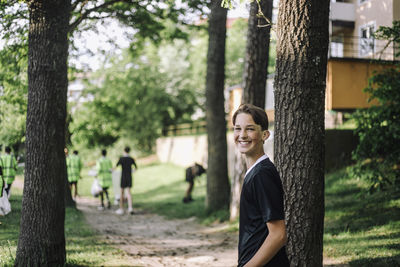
[
  {"x": 342, "y": 15},
  {"x": 341, "y": 46},
  {"x": 341, "y": 11}
]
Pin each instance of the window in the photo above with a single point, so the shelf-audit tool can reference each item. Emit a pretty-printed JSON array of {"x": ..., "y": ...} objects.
[
  {"x": 336, "y": 46},
  {"x": 367, "y": 41}
]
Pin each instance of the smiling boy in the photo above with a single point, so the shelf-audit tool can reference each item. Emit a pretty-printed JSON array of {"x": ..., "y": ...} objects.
[{"x": 262, "y": 231}]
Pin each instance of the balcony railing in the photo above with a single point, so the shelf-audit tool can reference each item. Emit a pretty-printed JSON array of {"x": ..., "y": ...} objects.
[
  {"x": 363, "y": 48},
  {"x": 342, "y": 11}
]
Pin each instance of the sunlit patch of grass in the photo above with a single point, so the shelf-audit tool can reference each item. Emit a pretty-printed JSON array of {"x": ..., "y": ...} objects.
[{"x": 360, "y": 229}]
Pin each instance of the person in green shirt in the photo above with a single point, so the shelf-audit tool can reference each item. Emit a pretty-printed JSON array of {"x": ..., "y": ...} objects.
[
  {"x": 9, "y": 166},
  {"x": 104, "y": 169},
  {"x": 74, "y": 167}
]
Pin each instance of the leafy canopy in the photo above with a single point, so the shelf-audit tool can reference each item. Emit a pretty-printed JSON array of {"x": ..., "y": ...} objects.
[{"x": 136, "y": 98}]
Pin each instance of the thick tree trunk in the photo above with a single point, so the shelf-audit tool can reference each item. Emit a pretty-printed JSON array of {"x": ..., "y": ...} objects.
[
  {"x": 41, "y": 241},
  {"x": 217, "y": 170},
  {"x": 254, "y": 82},
  {"x": 299, "y": 123}
]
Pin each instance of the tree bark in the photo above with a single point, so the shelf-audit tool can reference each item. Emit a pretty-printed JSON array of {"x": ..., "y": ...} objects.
[
  {"x": 302, "y": 49},
  {"x": 254, "y": 83},
  {"x": 217, "y": 170},
  {"x": 41, "y": 241}
]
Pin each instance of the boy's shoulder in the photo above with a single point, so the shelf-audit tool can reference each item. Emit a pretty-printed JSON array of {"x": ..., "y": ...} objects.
[
  {"x": 265, "y": 164},
  {"x": 264, "y": 168}
]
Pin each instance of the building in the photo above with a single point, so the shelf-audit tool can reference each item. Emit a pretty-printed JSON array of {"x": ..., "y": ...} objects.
[
  {"x": 353, "y": 56},
  {"x": 354, "y": 53}
]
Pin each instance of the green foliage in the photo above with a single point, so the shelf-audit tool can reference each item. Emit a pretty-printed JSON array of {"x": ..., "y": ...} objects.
[
  {"x": 378, "y": 128},
  {"x": 137, "y": 98},
  {"x": 235, "y": 52},
  {"x": 13, "y": 93}
]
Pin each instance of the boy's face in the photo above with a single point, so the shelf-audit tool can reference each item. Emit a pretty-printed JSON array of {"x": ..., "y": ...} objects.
[{"x": 248, "y": 136}]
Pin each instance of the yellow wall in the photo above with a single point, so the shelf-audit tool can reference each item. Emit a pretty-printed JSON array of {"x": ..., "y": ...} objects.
[{"x": 346, "y": 80}]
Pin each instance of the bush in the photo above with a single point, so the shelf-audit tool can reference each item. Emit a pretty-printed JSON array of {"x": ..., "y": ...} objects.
[{"x": 378, "y": 128}]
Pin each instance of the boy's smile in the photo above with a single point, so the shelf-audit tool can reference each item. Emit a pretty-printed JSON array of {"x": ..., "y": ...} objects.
[{"x": 248, "y": 136}]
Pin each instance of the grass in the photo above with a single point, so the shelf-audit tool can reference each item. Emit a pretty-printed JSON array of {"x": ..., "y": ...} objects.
[
  {"x": 360, "y": 230},
  {"x": 161, "y": 188}
]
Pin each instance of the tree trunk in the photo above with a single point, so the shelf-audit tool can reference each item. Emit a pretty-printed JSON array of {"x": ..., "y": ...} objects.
[
  {"x": 257, "y": 54},
  {"x": 299, "y": 123},
  {"x": 254, "y": 83},
  {"x": 41, "y": 241},
  {"x": 217, "y": 170}
]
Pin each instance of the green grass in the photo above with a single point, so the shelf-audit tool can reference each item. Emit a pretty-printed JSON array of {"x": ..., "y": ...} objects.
[
  {"x": 161, "y": 188},
  {"x": 9, "y": 229},
  {"x": 361, "y": 230}
]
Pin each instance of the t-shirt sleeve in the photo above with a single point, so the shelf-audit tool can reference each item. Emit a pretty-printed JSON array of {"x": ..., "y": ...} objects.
[
  {"x": 119, "y": 162},
  {"x": 269, "y": 195}
]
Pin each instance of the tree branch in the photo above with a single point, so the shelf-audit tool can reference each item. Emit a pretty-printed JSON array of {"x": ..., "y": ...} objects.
[{"x": 84, "y": 15}]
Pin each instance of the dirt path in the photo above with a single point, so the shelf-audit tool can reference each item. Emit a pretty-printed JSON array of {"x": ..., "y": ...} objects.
[{"x": 152, "y": 240}]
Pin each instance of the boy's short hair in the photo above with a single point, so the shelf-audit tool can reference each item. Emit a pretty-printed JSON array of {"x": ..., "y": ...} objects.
[
  {"x": 258, "y": 114},
  {"x": 8, "y": 149},
  {"x": 104, "y": 152},
  {"x": 75, "y": 152},
  {"x": 127, "y": 149}
]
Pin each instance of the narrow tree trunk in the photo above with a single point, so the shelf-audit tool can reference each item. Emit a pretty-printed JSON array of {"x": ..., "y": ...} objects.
[
  {"x": 257, "y": 55},
  {"x": 254, "y": 83},
  {"x": 41, "y": 241},
  {"x": 217, "y": 170},
  {"x": 299, "y": 123}
]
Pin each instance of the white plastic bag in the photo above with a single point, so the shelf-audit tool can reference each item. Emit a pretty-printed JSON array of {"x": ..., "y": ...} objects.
[
  {"x": 96, "y": 188},
  {"x": 5, "y": 207},
  {"x": 92, "y": 172}
]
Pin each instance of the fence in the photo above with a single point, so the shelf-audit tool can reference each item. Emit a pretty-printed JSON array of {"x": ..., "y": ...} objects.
[{"x": 193, "y": 128}]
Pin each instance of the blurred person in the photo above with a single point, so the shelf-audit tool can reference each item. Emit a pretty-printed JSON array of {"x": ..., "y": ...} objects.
[
  {"x": 126, "y": 162},
  {"x": 104, "y": 169},
  {"x": 262, "y": 231},
  {"x": 191, "y": 173},
  {"x": 74, "y": 167},
  {"x": 9, "y": 165}
]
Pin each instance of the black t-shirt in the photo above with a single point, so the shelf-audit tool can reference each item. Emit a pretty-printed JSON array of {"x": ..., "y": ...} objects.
[
  {"x": 126, "y": 163},
  {"x": 261, "y": 201}
]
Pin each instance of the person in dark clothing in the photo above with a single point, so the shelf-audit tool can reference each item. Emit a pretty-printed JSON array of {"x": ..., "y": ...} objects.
[
  {"x": 126, "y": 163},
  {"x": 262, "y": 231},
  {"x": 191, "y": 172}
]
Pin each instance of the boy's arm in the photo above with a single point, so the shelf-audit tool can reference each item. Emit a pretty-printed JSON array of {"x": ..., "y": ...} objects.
[{"x": 275, "y": 240}]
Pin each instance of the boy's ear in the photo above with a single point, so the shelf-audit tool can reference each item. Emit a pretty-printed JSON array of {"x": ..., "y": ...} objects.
[{"x": 265, "y": 135}]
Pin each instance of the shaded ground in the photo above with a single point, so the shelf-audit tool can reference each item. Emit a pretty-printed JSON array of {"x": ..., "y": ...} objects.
[{"x": 153, "y": 241}]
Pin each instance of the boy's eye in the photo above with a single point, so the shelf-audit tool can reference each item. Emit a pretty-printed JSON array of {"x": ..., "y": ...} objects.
[
  {"x": 250, "y": 129},
  {"x": 236, "y": 129}
]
